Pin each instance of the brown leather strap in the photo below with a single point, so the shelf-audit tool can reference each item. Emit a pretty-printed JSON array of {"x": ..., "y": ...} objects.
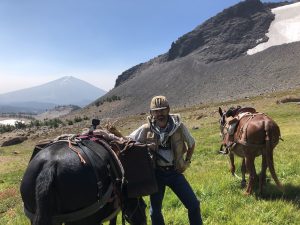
[
  {"x": 244, "y": 129},
  {"x": 76, "y": 151},
  {"x": 250, "y": 145},
  {"x": 79, "y": 214}
]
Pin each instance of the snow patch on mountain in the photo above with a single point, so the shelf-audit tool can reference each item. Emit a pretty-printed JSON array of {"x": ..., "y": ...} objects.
[
  {"x": 284, "y": 29},
  {"x": 66, "y": 80}
]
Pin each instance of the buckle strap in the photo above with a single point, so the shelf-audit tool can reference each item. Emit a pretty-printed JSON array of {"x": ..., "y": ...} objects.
[{"x": 82, "y": 213}]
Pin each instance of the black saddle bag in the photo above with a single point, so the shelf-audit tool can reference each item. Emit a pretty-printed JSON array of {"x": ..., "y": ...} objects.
[{"x": 139, "y": 171}]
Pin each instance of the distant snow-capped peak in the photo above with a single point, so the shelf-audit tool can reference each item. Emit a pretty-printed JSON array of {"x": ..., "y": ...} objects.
[
  {"x": 284, "y": 29},
  {"x": 65, "y": 80}
]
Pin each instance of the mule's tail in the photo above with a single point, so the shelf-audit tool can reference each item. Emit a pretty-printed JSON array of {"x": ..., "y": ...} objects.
[
  {"x": 44, "y": 195},
  {"x": 269, "y": 155}
]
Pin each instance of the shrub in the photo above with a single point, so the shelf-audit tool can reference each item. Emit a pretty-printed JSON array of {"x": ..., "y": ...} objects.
[
  {"x": 77, "y": 119},
  {"x": 35, "y": 123},
  {"x": 54, "y": 123},
  {"x": 20, "y": 125},
  {"x": 6, "y": 128},
  {"x": 108, "y": 99}
]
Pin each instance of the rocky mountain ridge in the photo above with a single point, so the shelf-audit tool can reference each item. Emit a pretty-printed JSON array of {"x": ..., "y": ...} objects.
[
  {"x": 225, "y": 36},
  {"x": 218, "y": 71},
  {"x": 189, "y": 81}
]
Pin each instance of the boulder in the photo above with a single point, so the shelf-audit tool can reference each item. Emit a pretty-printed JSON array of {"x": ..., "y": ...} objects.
[{"x": 13, "y": 141}]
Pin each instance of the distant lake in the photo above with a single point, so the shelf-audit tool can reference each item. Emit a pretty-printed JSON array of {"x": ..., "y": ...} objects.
[{"x": 10, "y": 122}]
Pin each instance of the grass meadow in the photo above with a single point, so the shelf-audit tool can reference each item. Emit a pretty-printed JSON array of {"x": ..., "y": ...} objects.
[{"x": 221, "y": 196}]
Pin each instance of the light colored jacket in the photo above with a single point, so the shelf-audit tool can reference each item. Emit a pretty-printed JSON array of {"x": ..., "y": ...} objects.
[{"x": 181, "y": 140}]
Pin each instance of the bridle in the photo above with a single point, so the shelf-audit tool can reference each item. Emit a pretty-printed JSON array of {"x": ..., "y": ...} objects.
[{"x": 223, "y": 126}]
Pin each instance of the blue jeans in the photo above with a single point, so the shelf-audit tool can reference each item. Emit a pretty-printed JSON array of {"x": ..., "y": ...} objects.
[{"x": 179, "y": 185}]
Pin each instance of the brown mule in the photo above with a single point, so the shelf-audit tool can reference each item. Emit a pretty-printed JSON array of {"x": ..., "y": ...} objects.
[{"x": 255, "y": 134}]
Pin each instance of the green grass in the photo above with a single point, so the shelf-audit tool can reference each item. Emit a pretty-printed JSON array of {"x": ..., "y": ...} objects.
[{"x": 222, "y": 199}]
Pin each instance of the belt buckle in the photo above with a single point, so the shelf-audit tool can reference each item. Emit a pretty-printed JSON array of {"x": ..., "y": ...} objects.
[
  {"x": 168, "y": 168},
  {"x": 165, "y": 168}
]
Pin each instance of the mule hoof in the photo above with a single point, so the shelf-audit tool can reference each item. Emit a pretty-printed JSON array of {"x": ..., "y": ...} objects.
[
  {"x": 243, "y": 183},
  {"x": 247, "y": 193},
  {"x": 281, "y": 187}
]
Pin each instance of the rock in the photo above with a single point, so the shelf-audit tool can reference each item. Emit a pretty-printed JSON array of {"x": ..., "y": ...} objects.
[
  {"x": 13, "y": 141},
  {"x": 288, "y": 99},
  {"x": 199, "y": 117}
]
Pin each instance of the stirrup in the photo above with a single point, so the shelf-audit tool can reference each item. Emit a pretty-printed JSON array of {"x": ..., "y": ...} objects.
[{"x": 223, "y": 152}]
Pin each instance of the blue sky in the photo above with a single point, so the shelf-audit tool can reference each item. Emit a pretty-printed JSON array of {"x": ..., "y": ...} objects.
[{"x": 93, "y": 40}]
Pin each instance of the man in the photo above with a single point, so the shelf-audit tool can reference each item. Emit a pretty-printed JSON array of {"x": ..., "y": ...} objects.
[{"x": 170, "y": 137}]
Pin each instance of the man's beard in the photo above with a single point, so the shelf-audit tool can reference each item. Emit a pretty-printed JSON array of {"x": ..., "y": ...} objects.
[{"x": 161, "y": 118}]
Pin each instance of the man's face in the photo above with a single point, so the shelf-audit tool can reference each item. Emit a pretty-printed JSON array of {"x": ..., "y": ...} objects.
[{"x": 160, "y": 115}]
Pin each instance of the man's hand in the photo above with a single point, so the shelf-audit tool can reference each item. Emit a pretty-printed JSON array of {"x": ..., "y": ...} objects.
[{"x": 152, "y": 146}]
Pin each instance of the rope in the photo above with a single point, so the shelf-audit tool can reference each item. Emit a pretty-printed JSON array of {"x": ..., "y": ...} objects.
[
  {"x": 76, "y": 151},
  {"x": 238, "y": 177},
  {"x": 128, "y": 145}
]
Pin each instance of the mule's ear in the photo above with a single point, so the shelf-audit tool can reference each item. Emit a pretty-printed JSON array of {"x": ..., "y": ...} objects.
[{"x": 220, "y": 111}]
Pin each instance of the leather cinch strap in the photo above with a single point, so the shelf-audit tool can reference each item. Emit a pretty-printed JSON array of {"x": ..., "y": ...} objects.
[{"x": 80, "y": 214}]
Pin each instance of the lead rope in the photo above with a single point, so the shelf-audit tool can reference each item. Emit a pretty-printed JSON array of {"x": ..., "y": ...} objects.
[{"x": 128, "y": 144}]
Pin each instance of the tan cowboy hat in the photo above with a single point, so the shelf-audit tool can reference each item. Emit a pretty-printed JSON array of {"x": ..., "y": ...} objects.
[{"x": 159, "y": 102}]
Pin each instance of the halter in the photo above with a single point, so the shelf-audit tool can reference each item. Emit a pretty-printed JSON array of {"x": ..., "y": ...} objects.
[{"x": 223, "y": 124}]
